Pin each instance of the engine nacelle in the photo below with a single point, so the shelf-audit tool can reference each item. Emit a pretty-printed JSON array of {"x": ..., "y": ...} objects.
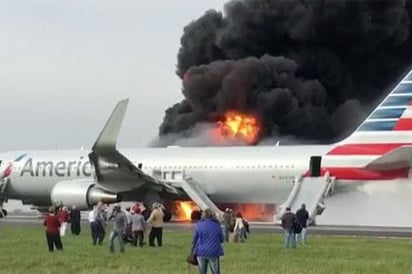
[{"x": 81, "y": 193}]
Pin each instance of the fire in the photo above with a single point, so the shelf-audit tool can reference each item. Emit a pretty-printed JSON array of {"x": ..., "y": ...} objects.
[
  {"x": 241, "y": 125},
  {"x": 184, "y": 210}
]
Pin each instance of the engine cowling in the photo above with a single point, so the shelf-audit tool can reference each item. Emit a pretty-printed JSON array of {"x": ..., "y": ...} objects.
[{"x": 81, "y": 193}]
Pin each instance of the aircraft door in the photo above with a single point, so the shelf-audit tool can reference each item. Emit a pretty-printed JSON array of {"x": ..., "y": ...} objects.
[{"x": 315, "y": 165}]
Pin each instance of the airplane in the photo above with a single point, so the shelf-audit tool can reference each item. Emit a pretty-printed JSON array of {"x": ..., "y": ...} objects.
[{"x": 379, "y": 150}]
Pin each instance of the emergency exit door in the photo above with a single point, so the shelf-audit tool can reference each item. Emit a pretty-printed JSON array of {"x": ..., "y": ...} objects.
[{"x": 315, "y": 165}]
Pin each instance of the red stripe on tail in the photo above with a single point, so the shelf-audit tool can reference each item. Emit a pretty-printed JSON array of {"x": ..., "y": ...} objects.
[
  {"x": 403, "y": 124},
  {"x": 364, "y": 149}
]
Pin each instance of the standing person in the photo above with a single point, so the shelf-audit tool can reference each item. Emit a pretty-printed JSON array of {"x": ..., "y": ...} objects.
[
  {"x": 227, "y": 223},
  {"x": 302, "y": 217},
  {"x": 145, "y": 212},
  {"x": 92, "y": 222},
  {"x": 52, "y": 225},
  {"x": 240, "y": 228},
  {"x": 128, "y": 237},
  {"x": 119, "y": 227},
  {"x": 100, "y": 222},
  {"x": 75, "y": 217},
  {"x": 156, "y": 221},
  {"x": 138, "y": 227},
  {"x": 64, "y": 220},
  {"x": 207, "y": 243},
  {"x": 288, "y": 221}
]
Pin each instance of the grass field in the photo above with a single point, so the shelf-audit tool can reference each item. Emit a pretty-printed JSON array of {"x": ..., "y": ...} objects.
[{"x": 23, "y": 250}]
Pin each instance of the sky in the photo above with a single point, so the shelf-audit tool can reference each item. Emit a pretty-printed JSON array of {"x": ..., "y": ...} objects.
[{"x": 65, "y": 64}]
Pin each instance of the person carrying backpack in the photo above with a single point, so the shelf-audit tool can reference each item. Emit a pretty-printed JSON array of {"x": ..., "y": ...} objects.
[{"x": 302, "y": 217}]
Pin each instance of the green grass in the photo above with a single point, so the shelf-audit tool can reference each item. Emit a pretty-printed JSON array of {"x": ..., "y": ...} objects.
[{"x": 23, "y": 250}]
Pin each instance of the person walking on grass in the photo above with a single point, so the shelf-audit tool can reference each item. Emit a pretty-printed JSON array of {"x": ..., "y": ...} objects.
[
  {"x": 227, "y": 223},
  {"x": 100, "y": 222},
  {"x": 74, "y": 219},
  {"x": 156, "y": 221},
  {"x": 52, "y": 225},
  {"x": 64, "y": 220},
  {"x": 207, "y": 243},
  {"x": 240, "y": 228},
  {"x": 138, "y": 227},
  {"x": 119, "y": 227}
]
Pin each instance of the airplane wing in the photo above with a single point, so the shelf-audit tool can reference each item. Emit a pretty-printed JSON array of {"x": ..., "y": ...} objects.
[
  {"x": 112, "y": 169},
  {"x": 398, "y": 158}
]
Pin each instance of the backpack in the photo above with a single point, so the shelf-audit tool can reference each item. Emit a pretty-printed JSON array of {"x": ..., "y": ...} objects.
[{"x": 297, "y": 228}]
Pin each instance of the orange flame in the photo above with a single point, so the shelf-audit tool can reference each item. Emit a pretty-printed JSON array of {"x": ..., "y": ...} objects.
[
  {"x": 184, "y": 210},
  {"x": 241, "y": 125}
]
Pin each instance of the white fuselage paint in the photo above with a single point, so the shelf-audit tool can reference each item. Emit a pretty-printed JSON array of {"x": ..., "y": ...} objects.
[{"x": 226, "y": 174}]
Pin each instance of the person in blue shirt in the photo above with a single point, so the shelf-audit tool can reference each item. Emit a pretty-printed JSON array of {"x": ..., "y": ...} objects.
[{"x": 207, "y": 243}]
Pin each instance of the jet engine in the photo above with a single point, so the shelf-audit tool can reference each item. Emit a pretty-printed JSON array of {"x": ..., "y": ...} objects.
[{"x": 81, "y": 193}]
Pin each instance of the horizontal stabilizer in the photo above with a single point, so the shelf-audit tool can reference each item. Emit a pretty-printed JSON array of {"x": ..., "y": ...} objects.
[
  {"x": 395, "y": 159},
  {"x": 108, "y": 137}
]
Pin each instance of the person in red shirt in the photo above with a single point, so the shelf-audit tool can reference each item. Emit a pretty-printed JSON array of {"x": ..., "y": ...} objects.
[{"x": 52, "y": 225}]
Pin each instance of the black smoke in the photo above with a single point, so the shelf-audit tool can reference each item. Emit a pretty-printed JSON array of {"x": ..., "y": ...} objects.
[{"x": 308, "y": 69}]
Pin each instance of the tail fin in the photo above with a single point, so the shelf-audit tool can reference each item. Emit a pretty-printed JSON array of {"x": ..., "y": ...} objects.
[{"x": 391, "y": 120}]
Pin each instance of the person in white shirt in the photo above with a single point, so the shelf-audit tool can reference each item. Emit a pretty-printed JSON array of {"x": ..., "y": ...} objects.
[
  {"x": 92, "y": 221},
  {"x": 239, "y": 227}
]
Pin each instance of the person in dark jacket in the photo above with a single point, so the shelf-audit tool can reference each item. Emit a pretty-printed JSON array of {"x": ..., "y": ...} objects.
[
  {"x": 52, "y": 225},
  {"x": 227, "y": 223},
  {"x": 75, "y": 220},
  {"x": 302, "y": 217},
  {"x": 288, "y": 224},
  {"x": 207, "y": 243}
]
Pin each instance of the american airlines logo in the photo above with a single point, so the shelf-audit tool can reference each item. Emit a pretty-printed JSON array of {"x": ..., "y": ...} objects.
[{"x": 60, "y": 168}]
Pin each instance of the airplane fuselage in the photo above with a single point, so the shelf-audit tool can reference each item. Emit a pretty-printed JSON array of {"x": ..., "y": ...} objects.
[{"x": 226, "y": 174}]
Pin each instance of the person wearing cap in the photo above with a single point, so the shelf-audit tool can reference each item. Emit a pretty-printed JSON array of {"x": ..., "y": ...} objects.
[
  {"x": 119, "y": 227},
  {"x": 302, "y": 217},
  {"x": 288, "y": 224},
  {"x": 52, "y": 225}
]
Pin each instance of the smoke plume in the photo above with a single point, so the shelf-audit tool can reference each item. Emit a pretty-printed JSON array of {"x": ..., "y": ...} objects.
[{"x": 310, "y": 69}]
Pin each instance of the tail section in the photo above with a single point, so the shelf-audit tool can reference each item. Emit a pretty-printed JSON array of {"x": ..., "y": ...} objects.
[
  {"x": 388, "y": 127},
  {"x": 381, "y": 147},
  {"x": 391, "y": 121}
]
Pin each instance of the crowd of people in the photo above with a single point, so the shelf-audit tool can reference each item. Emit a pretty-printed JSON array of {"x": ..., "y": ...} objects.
[
  {"x": 129, "y": 225},
  {"x": 235, "y": 226},
  {"x": 132, "y": 224}
]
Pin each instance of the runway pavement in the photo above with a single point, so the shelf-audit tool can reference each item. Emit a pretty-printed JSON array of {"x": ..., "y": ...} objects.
[{"x": 20, "y": 221}]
